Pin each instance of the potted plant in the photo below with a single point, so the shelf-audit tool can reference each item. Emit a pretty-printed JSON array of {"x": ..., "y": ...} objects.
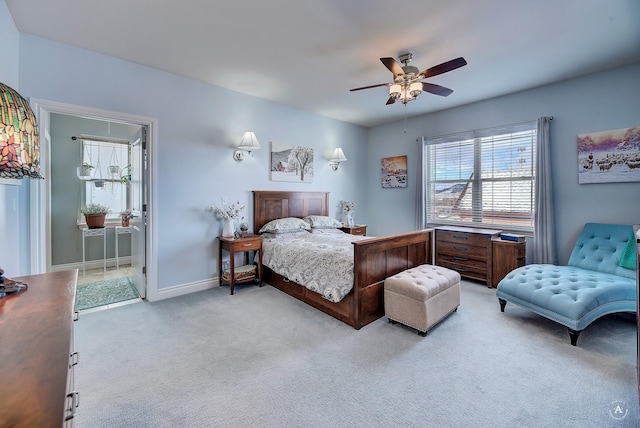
[
  {"x": 126, "y": 216},
  {"x": 85, "y": 172},
  {"x": 94, "y": 215}
]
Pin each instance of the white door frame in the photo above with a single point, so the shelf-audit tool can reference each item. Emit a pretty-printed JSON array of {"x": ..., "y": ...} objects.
[{"x": 40, "y": 190}]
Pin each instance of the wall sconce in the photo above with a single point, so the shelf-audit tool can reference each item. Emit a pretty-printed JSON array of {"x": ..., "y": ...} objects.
[
  {"x": 19, "y": 142},
  {"x": 247, "y": 145},
  {"x": 338, "y": 156}
]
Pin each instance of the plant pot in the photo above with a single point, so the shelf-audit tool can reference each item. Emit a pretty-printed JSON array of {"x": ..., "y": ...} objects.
[
  {"x": 84, "y": 173},
  {"x": 125, "y": 222},
  {"x": 95, "y": 221}
]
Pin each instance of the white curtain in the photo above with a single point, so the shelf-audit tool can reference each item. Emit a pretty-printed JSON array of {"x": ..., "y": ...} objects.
[
  {"x": 544, "y": 241},
  {"x": 421, "y": 212}
]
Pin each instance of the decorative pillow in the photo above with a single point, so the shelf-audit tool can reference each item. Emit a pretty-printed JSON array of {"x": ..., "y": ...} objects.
[
  {"x": 322, "y": 222},
  {"x": 628, "y": 256},
  {"x": 285, "y": 225}
]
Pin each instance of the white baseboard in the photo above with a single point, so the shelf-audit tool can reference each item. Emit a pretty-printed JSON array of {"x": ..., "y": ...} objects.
[{"x": 182, "y": 289}]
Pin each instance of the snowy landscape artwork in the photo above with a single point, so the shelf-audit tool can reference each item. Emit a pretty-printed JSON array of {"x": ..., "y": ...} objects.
[
  {"x": 394, "y": 172},
  {"x": 291, "y": 163},
  {"x": 609, "y": 156}
]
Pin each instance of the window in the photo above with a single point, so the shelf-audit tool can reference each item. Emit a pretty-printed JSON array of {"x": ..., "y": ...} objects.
[
  {"x": 482, "y": 178},
  {"x": 110, "y": 161}
]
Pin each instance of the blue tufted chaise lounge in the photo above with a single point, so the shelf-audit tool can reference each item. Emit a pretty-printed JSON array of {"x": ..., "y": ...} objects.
[{"x": 593, "y": 284}]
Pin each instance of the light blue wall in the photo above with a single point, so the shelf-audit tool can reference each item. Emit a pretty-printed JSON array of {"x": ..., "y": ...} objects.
[
  {"x": 598, "y": 102},
  {"x": 199, "y": 126},
  {"x": 14, "y": 198}
]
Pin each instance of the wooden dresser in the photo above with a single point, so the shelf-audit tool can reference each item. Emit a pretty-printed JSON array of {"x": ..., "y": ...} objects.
[
  {"x": 36, "y": 352},
  {"x": 477, "y": 253}
]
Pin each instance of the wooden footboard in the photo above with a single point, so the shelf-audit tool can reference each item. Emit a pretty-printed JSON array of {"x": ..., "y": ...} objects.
[{"x": 378, "y": 258}]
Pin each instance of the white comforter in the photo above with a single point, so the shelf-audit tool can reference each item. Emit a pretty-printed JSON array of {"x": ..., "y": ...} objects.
[{"x": 320, "y": 261}]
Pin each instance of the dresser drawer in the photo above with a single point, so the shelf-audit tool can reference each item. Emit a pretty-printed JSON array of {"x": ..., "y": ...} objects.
[
  {"x": 462, "y": 237},
  {"x": 466, "y": 270},
  {"x": 462, "y": 250},
  {"x": 471, "y": 264}
]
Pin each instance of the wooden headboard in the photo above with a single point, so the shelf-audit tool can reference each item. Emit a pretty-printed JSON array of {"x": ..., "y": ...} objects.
[{"x": 272, "y": 204}]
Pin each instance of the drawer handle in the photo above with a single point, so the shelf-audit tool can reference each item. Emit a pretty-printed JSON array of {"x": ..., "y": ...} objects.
[
  {"x": 461, "y": 248},
  {"x": 75, "y": 359},
  {"x": 75, "y": 402},
  {"x": 76, "y": 315},
  {"x": 462, "y": 259},
  {"x": 460, "y": 270},
  {"x": 285, "y": 279},
  {"x": 247, "y": 245},
  {"x": 460, "y": 237}
]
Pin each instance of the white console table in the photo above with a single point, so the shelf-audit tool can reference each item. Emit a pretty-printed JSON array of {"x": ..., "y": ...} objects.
[
  {"x": 119, "y": 231},
  {"x": 95, "y": 232}
]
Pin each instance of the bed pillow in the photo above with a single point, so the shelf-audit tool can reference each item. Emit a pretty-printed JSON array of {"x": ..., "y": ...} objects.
[
  {"x": 628, "y": 256},
  {"x": 285, "y": 225},
  {"x": 322, "y": 222}
]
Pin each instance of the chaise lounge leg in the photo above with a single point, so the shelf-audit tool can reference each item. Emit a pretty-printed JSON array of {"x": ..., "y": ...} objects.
[
  {"x": 503, "y": 303},
  {"x": 573, "y": 334}
]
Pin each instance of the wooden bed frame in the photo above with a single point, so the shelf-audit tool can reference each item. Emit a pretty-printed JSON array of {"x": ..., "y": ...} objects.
[{"x": 375, "y": 259}]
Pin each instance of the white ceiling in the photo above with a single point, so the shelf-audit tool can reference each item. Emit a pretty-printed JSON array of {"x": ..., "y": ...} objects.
[{"x": 308, "y": 54}]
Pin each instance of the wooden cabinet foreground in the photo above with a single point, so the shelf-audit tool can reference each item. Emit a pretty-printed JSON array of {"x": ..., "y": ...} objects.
[{"x": 36, "y": 335}]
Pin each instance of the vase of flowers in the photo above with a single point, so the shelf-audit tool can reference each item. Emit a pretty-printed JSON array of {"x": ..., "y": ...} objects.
[
  {"x": 125, "y": 217},
  {"x": 229, "y": 215},
  {"x": 348, "y": 211}
]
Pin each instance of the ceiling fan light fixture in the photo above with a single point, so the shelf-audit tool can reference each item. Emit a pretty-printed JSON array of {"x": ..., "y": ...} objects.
[
  {"x": 415, "y": 89},
  {"x": 395, "y": 91}
]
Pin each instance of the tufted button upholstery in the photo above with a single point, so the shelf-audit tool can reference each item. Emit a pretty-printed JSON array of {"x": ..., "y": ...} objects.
[
  {"x": 422, "y": 296},
  {"x": 592, "y": 285}
]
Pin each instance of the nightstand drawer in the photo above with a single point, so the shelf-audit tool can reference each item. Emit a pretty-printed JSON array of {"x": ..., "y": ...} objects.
[
  {"x": 354, "y": 230},
  {"x": 242, "y": 245}
]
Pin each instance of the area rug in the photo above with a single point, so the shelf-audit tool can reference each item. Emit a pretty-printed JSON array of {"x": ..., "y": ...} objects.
[{"x": 103, "y": 293}]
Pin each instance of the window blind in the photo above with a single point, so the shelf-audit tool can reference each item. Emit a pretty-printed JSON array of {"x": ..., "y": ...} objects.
[{"x": 482, "y": 178}]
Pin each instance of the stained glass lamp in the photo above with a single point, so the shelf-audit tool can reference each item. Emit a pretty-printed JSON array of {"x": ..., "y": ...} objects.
[{"x": 19, "y": 142}]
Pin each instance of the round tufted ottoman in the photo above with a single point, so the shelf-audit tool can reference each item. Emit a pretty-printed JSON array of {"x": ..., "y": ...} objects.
[{"x": 422, "y": 296}]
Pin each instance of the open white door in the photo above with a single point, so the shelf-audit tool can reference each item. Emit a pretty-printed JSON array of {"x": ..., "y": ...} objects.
[{"x": 138, "y": 194}]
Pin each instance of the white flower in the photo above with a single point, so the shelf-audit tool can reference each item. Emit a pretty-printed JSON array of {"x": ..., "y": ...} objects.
[
  {"x": 347, "y": 205},
  {"x": 232, "y": 211}
]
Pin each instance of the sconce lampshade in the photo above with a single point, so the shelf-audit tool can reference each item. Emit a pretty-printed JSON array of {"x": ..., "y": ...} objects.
[
  {"x": 338, "y": 155},
  {"x": 249, "y": 142},
  {"x": 19, "y": 142}
]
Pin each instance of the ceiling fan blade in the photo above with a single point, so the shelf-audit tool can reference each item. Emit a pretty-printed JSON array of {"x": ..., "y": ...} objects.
[
  {"x": 368, "y": 87},
  {"x": 444, "y": 67},
  {"x": 391, "y": 100},
  {"x": 436, "y": 89},
  {"x": 392, "y": 65}
]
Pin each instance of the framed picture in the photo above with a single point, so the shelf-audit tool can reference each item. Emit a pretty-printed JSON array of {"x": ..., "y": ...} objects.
[
  {"x": 291, "y": 163},
  {"x": 394, "y": 172},
  {"x": 609, "y": 156}
]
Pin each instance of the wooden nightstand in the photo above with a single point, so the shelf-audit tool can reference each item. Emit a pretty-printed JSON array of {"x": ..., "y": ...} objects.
[
  {"x": 243, "y": 244},
  {"x": 355, "y": 230}
]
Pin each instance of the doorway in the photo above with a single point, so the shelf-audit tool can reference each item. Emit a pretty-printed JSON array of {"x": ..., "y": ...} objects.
[{"x": 141, "y": 176}]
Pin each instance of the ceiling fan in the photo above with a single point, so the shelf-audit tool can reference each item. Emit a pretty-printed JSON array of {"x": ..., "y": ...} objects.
[{"x": 407, "y": 84}]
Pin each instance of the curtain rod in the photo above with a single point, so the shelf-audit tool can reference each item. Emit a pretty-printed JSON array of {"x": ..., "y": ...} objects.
[
  {"x": 100, "y": 139},
  {"x": 481, "y": 129}
]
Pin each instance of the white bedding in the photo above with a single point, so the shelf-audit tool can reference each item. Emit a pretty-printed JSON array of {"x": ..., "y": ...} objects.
[{"x": 321, "y": 261}]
